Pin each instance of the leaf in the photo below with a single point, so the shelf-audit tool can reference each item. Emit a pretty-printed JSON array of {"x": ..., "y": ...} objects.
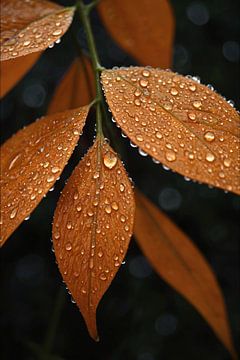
[
  {"x": 32, "y": 160},
  {"x": 77, "y": 88},
  {"x": 176, "y": 259},
  {"x": 92, "y": 227},
  {"x": 143, "y": 29},
  {"x": 13, "y": 70},
  {"x": 183, "y": 124},
  {"x": 29, "y": 26}
]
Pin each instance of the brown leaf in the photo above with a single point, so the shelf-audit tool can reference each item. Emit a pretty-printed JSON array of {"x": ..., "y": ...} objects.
[
  {"x": 13, "y": 70},
  {"x": 92, "y": 227},
  {"x": 184, "y": 125},
  {"x": 77, "y": 88},
  {"x": 176, "y": 259},
  {"x": 29, "y": 26},
  {"x": 144, "y": 29},
  {"x": 32, "y": 160}
]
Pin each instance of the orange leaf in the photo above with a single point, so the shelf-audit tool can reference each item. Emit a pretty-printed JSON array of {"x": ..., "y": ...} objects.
[
  {"x": 179, "y": 122},
  {"x": 144, "y": 29},
  {"x": 32, "y": 160},
  {"x": 29, "y": 26},
  {"x": 77, "y": 88},
  {"x": 92, "y": 227},
  {"x": 177, "y": 260},
  {"x": 13, "y": 70}
]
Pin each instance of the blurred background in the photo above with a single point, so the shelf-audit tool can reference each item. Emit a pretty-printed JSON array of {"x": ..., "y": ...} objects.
[{"x": 140, "y": 316}]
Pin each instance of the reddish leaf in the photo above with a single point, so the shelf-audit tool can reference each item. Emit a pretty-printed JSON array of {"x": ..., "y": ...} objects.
[
  {"x": 177, "y": 260},
  {"x": 29, "y": 26},
  {"x": 13, "y": 70},
  {"x": 144, "y": 29},
  {"x": 92, "y": 227},
  {"x": 77, "y": 88},
  {"x": 31, "y": 162},
  {"x": 179, "y": 122}
]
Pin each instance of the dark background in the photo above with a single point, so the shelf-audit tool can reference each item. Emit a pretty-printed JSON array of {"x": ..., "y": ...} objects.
[{"x": 140, "y": 317}]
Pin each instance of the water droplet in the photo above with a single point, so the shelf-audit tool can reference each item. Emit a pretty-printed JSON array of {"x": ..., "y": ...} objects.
[
  {"x": 209, "y": 136},
  {"x": 137, "y": 92},
  {"x": 170, "y": 155},
  {"x": 79, "y": 208},
  {"x": 122, "y": 187},
  {"x": 142, "y": 153},
  {"x": 210, "y": 157},
  {"x": 191, "y": 116},
  {"x": 68, "y": 246},
  {"x": 146, "y": 73},
  {"x": 90, "y": 213},
  {"x": 192, "y": 87},
  {"x": 55, "y": 169},
  {"x": 174, "y": 91},
  {"x": 159, "y": 135},
  {"x": 143, "y": 83},
  {"x": 108, "y": 209},
  {"x": 57, "y": 32},
  {"x": 50, "y": 178},
  {"x": 227, "y": 162},
  {"x": 26, "y": 43},
  {"x": 197, "y": 104},
  {"x": 13, "y": 213},
  {"x": 122, "y": 218},
  {"x": 100, "y": 254},
  {"x": 103, "y": 276},
  {"x": 69, "y": 225},
  {"x": 110, "y": 160},
  {"x": 114, "y": 206},
  {"x": 139, "y": 137},
  {"x": 13, "y": 161}
]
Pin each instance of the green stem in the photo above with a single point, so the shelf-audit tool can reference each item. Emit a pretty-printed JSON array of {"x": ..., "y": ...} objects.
[
  {"x": 51, "y": 332},
  {"x": 84, "y": 16}
]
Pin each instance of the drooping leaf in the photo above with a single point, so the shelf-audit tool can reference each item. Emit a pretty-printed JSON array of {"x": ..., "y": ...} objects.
[
  {"x": 92, "y": 227},
  {"x": 13, "y": 70},
  {"x": 77, "y": 88},
  {"x": 144, "y": 29},
  {"x": 177, "y": 260},
  {"x": 183, "y": 124},
  {"x": 29, "y": 26},
  {"x": 32, "y": 160}
]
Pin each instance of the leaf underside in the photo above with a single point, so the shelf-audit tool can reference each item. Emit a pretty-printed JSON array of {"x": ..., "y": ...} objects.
[
  {"x": 77, "y": 87},
  {"x": 176, "y": 259},
  {"x": 31, "y": 162},
  {"x": 29, "y": 26},
  {"x": 143, "y": 29},
  {"x": 185, "y": 125},
  {"x": 93, "y": 223},
  {"x": 13, "y": 70}
]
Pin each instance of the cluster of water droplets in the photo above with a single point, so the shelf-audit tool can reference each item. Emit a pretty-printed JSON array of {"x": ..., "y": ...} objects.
[
  {"x": 36, "y": 34},
  {"x": 179, "y": 122}
]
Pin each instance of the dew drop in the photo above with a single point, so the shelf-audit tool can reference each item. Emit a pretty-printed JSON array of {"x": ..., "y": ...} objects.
[
  {"x": 103, "y": 277},
  {"x": 110, "y": 160},
  {"x": 192, "y": 88},
  {"x": 122, "y": 218},
  {"x": 227, "y": 162},
  {"x": 122, "y": 187},
  {"x": 197, "y": 104},
  {"x": 50, "y": 178},
  {"x": 57, "y": 32},
  {"x": 114, "y": 206},
  {"x": 191, "y": 116},
  {"x": 210, "y": 157},
  {"x": 26, "y": 43},
  {"x": 170, "y": 155},
  {"x": 209, "y": 136},
  {"x": 108, "y": 209},
  {"x": 139, "y": 137},
  {"x": 143, "y": 83},
  {"x": 68, "y": 246},
  {"x": 146, "y": 73},
  {"x": 55, "y": 169},
  {"x": 13, "y": 213},
  {"x": 174, "y": 91}
]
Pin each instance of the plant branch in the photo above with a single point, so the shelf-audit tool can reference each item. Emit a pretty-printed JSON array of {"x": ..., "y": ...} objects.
[{"x": 84, "y": 16}]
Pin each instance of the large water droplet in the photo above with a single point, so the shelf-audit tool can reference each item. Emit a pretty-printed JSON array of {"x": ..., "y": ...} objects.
[
  {"x": 170, "y": 155},
  {"x": 110, "y": 160},
  {"x": 209, "y": 136}
]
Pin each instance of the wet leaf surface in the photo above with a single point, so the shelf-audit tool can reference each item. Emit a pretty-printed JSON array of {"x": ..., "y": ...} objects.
[
  {"x": 181, "y": 123},
  {"x": 92, "y": 227},
  {"x": 176, "y": 259},
  {"x": 12, "y": 71},
  {"x": 29, "y": 26},
  {"x": 143, "y": 29},
  {"x": 77, "y": 88},
  {"x": 31, "y": 162}
]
